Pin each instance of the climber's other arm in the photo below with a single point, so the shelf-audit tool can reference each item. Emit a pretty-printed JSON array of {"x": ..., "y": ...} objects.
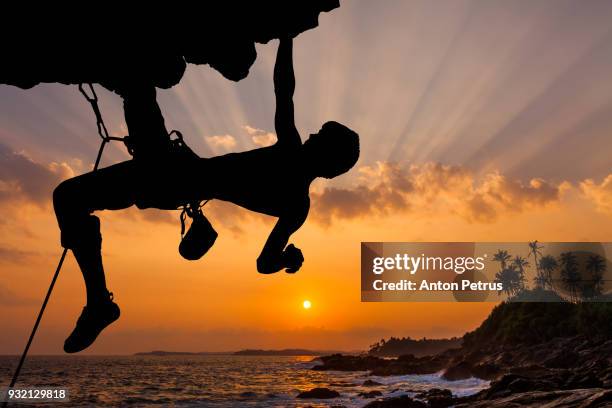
[{"x": 276, "y": 254}]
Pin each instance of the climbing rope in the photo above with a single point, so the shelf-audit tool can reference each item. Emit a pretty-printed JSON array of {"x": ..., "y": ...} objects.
[
  {"x": 189, "y": 209},
  {"x": 103, "y": 132}
]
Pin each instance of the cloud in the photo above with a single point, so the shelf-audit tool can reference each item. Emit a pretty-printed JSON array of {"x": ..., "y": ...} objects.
[
  {"x": 424, "y": 190},
  {"x": 231, "y": 216},
  {"x": 223, "y": 142},
  {"x": 14, "y": 255},
  {"x": 600, "y": 194},
  {"x": 158, "y": 216},
  {"x": 123, "y": 130},
  {"x": 152, "y": 215},
  {"x": 9, "y": 298},
  {"x": 432, "y": 189},
  {"x": 220, "y": 213},
  {"x": 22, "y": 179},
  {"x": 260, "y": 137}
]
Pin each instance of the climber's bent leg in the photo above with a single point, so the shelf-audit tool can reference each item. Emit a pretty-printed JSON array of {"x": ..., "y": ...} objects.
[{"x": 74, "y": 201}]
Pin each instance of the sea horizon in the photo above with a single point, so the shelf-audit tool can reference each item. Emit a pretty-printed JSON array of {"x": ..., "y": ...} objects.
[
  {"x": 188, "y": 352},
  {"x": 214, "y": 380}
]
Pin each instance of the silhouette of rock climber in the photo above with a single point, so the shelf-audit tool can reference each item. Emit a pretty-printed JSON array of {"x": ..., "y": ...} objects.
[{"x": 272, "y": 180}]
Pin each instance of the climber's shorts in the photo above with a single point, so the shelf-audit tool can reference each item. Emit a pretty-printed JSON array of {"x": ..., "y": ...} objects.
[{"x": 162, "y": 185}]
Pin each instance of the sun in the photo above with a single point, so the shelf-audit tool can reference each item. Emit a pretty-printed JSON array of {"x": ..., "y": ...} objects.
[{"x": 307, "y": 304}]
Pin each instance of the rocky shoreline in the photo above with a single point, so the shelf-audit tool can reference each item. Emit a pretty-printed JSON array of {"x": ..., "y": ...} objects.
[
  {"x": 574, "y": 371},
  {"x": 553, "y": 371}
]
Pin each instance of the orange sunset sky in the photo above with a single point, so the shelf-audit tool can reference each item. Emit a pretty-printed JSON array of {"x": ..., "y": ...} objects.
[{"x": 479, "y": 121}]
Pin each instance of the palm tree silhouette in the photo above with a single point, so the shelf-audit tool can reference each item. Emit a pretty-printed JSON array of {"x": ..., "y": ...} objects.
[
  {"x": 535, "y": 250},
  {"x": 570, "y": 274},
  {"x": 511, "y": 280},
  {"x": 547, "y": 265},
  {"x": 520, "y": 264},
  {"x": 596, "y": 265},
  {"x": 510, "y": 276},
  {"x": 502, "y": 256}
]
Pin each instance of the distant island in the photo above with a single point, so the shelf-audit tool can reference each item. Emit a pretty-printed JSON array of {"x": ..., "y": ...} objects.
[
  {"x": 247, "y": 352},
  {"x": 283, "y": 352},
  {"x": 181, "y": 353}
]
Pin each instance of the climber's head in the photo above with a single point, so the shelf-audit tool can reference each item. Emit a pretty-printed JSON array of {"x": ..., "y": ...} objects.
[{"x": 332, "y": 151}]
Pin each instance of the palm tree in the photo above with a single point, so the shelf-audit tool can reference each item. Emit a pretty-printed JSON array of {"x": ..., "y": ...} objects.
[
  {"x": 570, "y": 274},
  {"x": 509, "y": 276},
  {"x": 511, "y": 281},
  {"x": 374, "y": 347},
  {"x": 547, "y": 265},
  {"x": 596, "y": 265},
  {"x": 534, "y": 250},
  {"x": 520, "y": 263},
  {"x": 502, "y": 256}
]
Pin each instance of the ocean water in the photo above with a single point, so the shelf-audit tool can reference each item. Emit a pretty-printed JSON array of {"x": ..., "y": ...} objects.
[{"x": 208, "y": 381}]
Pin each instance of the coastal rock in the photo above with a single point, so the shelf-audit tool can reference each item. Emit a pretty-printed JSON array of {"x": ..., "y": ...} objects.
[
  {"x": 340, "y": 362},
  {"x": 319, "y": 393},
  {"x": 460, "y": 371},
  {"x": 437, "y": 398},
  {"x": 561, "y": 359},
  {"x": 371, "y": 383},
  {"x": 513, "y": 383},
  {"x": 403, "y": 365},
  {"x": 403, "y": 401},
  {"x": 370, "y": 394},
  {"x": 581, "y": 380},
  {"x": 583, "y": 398},
  {"x": 465, "y": 369},
  {"x": 486, "y": 371}
]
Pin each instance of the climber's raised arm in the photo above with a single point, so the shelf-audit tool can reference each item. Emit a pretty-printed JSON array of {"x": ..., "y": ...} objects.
[{"x": 284, "y": 86}]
